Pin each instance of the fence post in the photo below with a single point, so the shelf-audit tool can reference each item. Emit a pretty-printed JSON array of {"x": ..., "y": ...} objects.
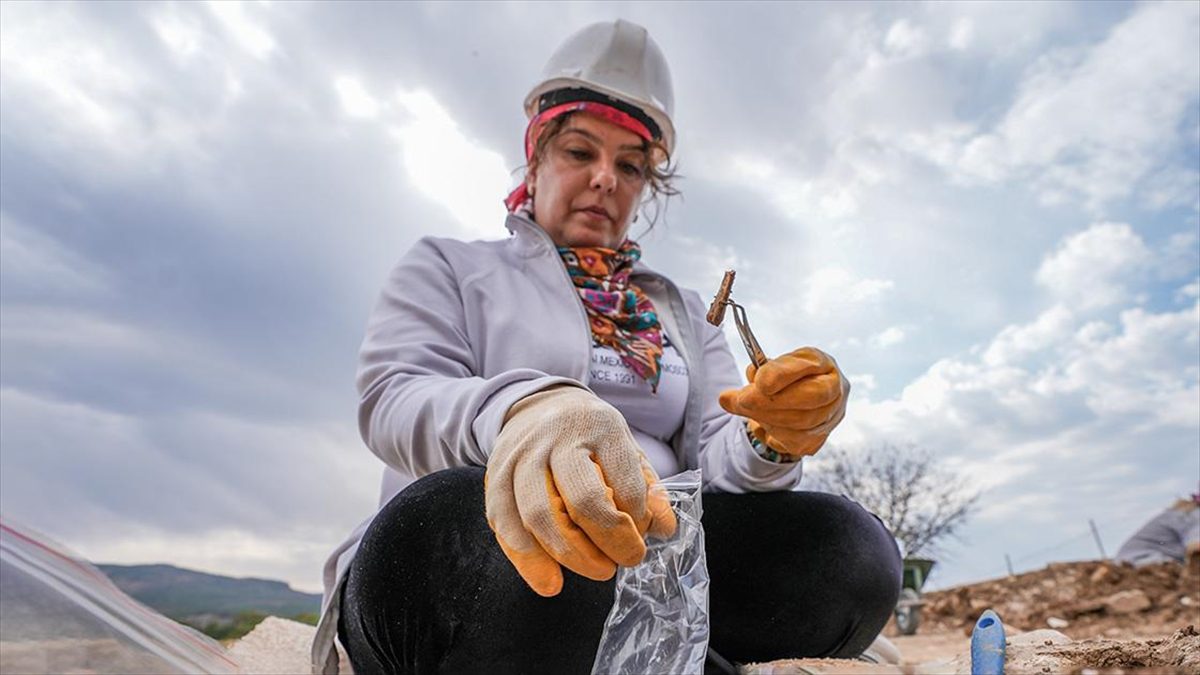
[{"x": 1099, "y": 544}]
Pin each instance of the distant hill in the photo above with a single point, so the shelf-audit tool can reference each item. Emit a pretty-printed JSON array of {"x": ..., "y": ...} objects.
[{"x": 183, "y": 594}]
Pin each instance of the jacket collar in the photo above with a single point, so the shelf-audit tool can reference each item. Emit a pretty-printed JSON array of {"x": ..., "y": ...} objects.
[{"x": 529, "y": 240}]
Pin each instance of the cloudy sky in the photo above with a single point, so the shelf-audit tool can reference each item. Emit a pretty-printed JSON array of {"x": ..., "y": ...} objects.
[{"x": 988, "y": 213}]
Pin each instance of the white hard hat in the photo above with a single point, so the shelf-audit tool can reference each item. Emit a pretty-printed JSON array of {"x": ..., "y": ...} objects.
[{"x": 618, "y": 59}]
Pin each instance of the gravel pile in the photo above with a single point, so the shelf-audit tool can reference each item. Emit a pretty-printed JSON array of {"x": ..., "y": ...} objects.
[{"x": 277, "y": 646}]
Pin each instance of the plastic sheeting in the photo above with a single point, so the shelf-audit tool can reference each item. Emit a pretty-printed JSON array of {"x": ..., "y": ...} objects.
[
  {"x": 59, "y": 614},
  {"x": 659, "y": 619}
]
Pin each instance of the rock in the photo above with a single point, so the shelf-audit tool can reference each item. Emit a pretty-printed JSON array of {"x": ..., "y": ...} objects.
[
  {"x": 1187, "y": 601},
  {"x": 1016, "y": 608},
  {"x": 278, "y": 646},
  {"x": 1083, "y": 607},
  {"x": 1127, "y": 602},
  {"x": 1100, "y": 573},
  {"x": 882, "y": 650},
  {"x": 1032, "y": 652},
  {"x": 1055, "y": 622},
  {"x": 1041, "y": 637},
  {"x": 819, "y": 667}
]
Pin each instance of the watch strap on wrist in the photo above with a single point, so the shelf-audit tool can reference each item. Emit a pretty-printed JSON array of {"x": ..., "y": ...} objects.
[{"x": 767, "y": 452}]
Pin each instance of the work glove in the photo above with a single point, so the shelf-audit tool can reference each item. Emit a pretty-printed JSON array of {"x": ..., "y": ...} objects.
[
  {"x": 567, "y": 485},
  {"x": 793, "y": 402}
]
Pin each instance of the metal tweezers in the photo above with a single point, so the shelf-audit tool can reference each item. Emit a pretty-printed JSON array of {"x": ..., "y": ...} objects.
[{"x": 716, "y": 314}]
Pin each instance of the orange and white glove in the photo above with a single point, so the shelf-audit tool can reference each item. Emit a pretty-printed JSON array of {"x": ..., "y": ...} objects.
[
  {"x": 793, "y": 401},
  {"x": 567, "y": 485}
]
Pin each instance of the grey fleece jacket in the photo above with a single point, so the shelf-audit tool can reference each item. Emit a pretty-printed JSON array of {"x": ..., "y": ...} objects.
[{"x": 463, "y": 330}]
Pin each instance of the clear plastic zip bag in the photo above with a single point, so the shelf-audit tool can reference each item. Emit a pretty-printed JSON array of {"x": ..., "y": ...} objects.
[
  {"x": 59, "y": 614},
  {"x": 659, "y": 619}
]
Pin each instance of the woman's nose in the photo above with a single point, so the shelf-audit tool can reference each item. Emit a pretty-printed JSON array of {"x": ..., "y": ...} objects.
[{"x": 604, "y": 178}]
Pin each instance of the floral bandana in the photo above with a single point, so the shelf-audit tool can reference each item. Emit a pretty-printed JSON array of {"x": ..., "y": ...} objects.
[{"x": 620, "y": 315}]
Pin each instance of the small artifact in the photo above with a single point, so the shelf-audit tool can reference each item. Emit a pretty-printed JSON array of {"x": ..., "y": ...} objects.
[{"x": 716, "y": 314}]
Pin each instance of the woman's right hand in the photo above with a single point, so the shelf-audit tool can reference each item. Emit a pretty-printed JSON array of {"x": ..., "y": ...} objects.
[{"x": 566, "y": 484}]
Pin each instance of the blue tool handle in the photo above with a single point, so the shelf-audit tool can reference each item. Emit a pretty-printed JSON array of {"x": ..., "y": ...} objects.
[{"x": 987, "y": 645}]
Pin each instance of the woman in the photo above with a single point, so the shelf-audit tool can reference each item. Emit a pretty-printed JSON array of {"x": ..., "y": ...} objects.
[
  {"x": 1171, "y": 536},
  {"x": 526, "y": 394}
]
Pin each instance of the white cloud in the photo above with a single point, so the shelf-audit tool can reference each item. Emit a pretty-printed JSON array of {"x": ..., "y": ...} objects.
[
  {"x": 1179, "y": 257},
  {"x": 1018, "y": 342},
  {"x": 178, "y": 32},
  {"x": 994, "y": 31},
  {"x": 35, "y": 262},
  {"x": 1052, "y": 414},
  {"x": 904, "y": 38},
  {"x": 1092, "y": 268},
  {"x": 1095, "y": 123},
  {"x": 79, "y": 79},
  {"x": 1171, "y": 185},
  {"x": 59, "y": 334},
  {"x": 705, "y": 261},
  {"x": 100, "y": 477},
  {"x": 862, "y": 384},
  {"x": 833, "y": 194},
  {"x": 229, "y": 552},
  {"x": 466, "y": 178},
  {"x": 888, "y": 337},
  {"x": 92, "y": 97},
  {"x": 1191, "y": 290},
  {"x": 962, "y": 32},
  {"x": 836, "y": 289},
  {"x": 1059, "y": 383},
  {"x": 1053, "y": 373},
  {"x": 356, "y": 100},
  {"x": 1020, "y": 506},
  {"x": 1145, "y": 370},
  {"x": 248, "y": 33}
]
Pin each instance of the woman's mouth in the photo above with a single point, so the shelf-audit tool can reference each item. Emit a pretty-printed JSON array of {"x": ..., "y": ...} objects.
[{"x": 595, "y": 212}]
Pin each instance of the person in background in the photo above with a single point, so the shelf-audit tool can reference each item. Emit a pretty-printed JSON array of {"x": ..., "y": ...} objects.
[
  {"x": 526, "y": 394},
  {"x": 1171, "y": 536}
]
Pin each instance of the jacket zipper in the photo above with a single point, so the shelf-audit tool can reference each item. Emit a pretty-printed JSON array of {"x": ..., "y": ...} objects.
[{"x": 587, "y": 328}]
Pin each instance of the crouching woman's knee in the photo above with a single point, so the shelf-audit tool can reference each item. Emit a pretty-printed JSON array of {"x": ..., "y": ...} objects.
[{"x": 871, "y": 568}]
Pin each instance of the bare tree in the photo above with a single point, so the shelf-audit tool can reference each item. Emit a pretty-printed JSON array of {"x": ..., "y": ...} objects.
[{"x": 920, "y": 503}]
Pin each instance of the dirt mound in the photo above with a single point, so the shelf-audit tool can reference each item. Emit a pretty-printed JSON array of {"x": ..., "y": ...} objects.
[
  {"x": 1082, "y": 599},
  {"x": 1179, "y": 653},
  {"x": 1036, "y": 652}
]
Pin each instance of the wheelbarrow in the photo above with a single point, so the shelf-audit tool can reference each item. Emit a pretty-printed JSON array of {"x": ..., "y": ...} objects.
[{"x": 908, "y": 607}]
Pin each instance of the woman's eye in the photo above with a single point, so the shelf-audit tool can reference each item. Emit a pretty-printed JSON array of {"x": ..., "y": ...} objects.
[
  {"x": 577, "y": 153},
  {"x": 631, "y": 169}
]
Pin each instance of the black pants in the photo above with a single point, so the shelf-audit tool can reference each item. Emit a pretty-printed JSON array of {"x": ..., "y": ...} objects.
[{"x": 793, "y": 574}]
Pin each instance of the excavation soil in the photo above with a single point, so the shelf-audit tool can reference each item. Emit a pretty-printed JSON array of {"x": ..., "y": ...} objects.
[
  {"x": 1119, "y": 619},
  {"x": 1094, "y": 599},
  {"x": 1083, "y": 617}
]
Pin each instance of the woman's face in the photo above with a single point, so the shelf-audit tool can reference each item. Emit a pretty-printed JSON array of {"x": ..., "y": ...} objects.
[{"x": 588, "y": 183}]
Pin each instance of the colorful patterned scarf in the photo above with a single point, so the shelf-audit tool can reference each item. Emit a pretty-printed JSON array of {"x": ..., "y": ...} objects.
[{"x": 619, "y": 313}]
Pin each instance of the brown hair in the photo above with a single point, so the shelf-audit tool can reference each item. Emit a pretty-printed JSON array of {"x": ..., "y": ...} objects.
[
  {"x": 660, "y": 177},
  {"x": 1185, "y": 505}
]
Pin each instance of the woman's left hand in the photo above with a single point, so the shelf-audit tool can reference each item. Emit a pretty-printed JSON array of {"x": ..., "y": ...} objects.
[{"x": 793, "y": 401}]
